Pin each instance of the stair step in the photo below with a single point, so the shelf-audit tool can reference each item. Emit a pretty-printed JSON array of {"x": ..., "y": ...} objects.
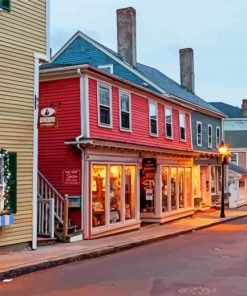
[
  {"x": 74, "y": 237},
  {"x": 71, "y": 228},
  {"x": 46, "y": 241}
]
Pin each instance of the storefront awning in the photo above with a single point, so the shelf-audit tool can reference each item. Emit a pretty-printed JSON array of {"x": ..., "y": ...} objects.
[{"x": 117, "y": 145}]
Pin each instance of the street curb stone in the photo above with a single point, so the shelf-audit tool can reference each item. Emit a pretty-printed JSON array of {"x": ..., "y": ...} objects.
[{"x": 110, "y": 249}]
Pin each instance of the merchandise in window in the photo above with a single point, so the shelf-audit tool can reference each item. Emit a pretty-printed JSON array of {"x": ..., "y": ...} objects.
[
  {"x": 168, "y": 121},
  {"x": 196, "y": 180},
  {"x": 173, "y": 184},
  {"x": 125, "y": 111},
  {"x": 115, "y": 193},
  {"x": 181, "y": 187},
  {"x": 164, "y": 189},
  {"x": 130, "y": 192},
  {"x": 153, "y": 118},
  {"x": 188, "y": 187},
  {"x": 182, "y": 126},
  {"x": 104, "y": 106}
]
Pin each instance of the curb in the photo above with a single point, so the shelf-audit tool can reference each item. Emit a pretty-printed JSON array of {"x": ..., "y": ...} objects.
[{"x": 111, "y": 249}]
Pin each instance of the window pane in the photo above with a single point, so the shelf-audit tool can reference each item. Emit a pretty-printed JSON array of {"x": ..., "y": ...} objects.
[
  {"x": 125, "y": 120},
  {"x": 115, "y": 193},
  {"x": 125, "y": 103},
  {"x": 104, "y": 115},
  {"x": 130, "y": 192},
  {"x": 199, "y": 128},
  {"x": 182, "y": 120},
  {"x": 104, "y": 95},
  {"x": 98, "y": 195},
  {"x": 173, "y": 180},
  {"x": 188, "y": 185},
  {"x": 196, "y": 180},
  {"x": 213, "y": 180},
  {"x": 152, "y": 110},
  {"x": 168, "y": 116},
  {"x": 182, "y": 133},
  {"x": 164, "y": 189},
  {"x": 181, "y": 187},
  {"x": 153, "y": 124},
  {"x": 168, "y": 130}
]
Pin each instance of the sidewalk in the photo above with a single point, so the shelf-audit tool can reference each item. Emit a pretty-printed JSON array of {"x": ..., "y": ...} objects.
[{"x": 18, "y": 263}]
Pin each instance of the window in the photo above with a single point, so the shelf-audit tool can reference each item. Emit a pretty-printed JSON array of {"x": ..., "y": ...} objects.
[
  {"x": 104, "y": 106},
  {"x": 210, "y": 143},
  {"x": 168, "y": 122},
  {"x": 182, "y": 126},
  {"x": 125, "y": 123},
  {"x": 153, "y": 129},
  {"x": 1, "y": 183},
  {"x": 217, "y": 136},
  {"x": 5, "y": 5},
  {"x": 106, "y": 68},
  {"x": 234, "y": 158},
  {"x": 198, "y": 133}
]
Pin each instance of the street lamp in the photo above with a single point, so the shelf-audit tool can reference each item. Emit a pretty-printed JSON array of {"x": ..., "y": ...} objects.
[{"x": 224, "y": 154}]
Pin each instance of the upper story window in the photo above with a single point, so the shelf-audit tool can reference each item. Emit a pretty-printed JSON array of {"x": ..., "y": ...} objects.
[
  {"x": 107, "y": 68},
  {"x": 5, "y": 5},
  {"x": 153, "y": 122},
  {"x": 182, "y": 126},
  {"x": 198, "y": 133},
  {"x": 234, "y": 158},
  {"x": 125, "y": 116},
  {"x": 210, "y": 142},
  {"x": 104, "y": 106},
  {"x": 168, "y": 122},
  {"x": 217, "y": 136}
]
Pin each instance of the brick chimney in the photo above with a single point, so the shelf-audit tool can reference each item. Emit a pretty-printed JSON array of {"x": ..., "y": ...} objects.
[
  {"x": 244, "y": 107},
  {"x": 187, "y": 77},
  {"x": 126, "y": 34}
]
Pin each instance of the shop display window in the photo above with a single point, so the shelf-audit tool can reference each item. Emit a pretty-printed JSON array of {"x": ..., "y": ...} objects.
[
  {"x": 99, "y": 195},
  {"x": 164, "y": 189},
  {"x": 181, "y": 187},
  {"x": 173, "y": 181},
  {"x": 130, "y": 192},
  {"x": 196, "y": 181},
  {"x": 188, "y": 186},
  {"x": 115, "y": 193}
]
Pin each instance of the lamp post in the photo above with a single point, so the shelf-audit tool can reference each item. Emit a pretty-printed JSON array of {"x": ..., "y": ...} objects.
[{"x": 224, "y": 153}]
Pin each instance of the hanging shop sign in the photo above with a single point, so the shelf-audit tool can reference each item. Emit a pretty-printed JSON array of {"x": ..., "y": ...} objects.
[
  {"x": 71, "y": 177},
  {"x": 47, "y": 117},
  {"x": 148, "y": 172}
]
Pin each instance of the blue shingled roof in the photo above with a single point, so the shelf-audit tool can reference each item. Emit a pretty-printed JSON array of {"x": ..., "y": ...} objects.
[
  {"x": 172, "y": 87},
  {"x": 158, "y": 78},
  {"x": 229, "y": 110}
]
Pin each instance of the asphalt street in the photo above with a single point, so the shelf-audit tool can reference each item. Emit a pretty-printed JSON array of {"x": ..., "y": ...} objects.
[{"x": 207, "y": 262}]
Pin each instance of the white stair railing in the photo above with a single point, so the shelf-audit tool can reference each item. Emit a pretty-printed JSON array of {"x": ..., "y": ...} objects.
[{"x": 58, "y": 206}]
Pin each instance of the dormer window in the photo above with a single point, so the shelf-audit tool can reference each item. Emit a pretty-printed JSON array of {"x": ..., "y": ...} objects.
[{"x": 107, "y": 68}]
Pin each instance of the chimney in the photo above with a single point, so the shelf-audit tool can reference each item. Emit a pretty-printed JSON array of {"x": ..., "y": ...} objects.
[
  {"x": 187, "y": 77},
  {"x": 126, "y": 34},
  {"x": 244, "y": 107}
]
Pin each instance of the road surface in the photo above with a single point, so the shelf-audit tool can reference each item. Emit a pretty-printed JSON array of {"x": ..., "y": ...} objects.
[{"x": 207, "y": 262}]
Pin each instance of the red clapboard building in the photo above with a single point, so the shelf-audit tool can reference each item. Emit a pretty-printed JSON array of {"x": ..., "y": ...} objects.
[{"x": 121, "y": 154}]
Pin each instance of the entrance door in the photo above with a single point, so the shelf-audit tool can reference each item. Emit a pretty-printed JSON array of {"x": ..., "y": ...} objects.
[{"x": 204, "y": 178}]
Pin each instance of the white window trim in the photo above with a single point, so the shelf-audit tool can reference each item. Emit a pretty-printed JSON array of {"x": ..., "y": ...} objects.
[
  {"x": 217, "y": 143},
  {"x": 197, "y": 123},
  {"x": 101, "y": 67},
  {"x": 98, "y": 105},
  {"x": 120, "y": 113},
  {"x": 167, "y": 137},
  {"x": 182, "y": 140},
  {"x": 149, "y": 118},
  {"x": 210, "y": 145}
]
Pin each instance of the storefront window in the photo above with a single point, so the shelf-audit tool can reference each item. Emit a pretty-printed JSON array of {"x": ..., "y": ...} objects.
[
  {"x": 115, "y": 193},
  {"x": 181, "y": 187},
  {"x": 164, "y": 189},
  {"x": 130, "y": 192},
  {"x": 213, "y": 180},
  {"x": 173, "y": 181},
  {"x": 188, "y": 186},
  {"x": 196, "y": 180},
  {"x": 99, "y": 195}
]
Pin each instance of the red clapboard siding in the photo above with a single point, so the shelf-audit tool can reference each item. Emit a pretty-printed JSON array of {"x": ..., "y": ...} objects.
[
  {"x": 54, "y": 155},
  {"x": 140, "y": 122}
]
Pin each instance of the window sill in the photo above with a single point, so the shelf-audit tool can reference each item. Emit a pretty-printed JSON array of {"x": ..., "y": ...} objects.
[{"x": 105, "y": 126}]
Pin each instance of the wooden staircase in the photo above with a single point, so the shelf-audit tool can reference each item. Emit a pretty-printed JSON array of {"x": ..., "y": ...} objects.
[{"x": 53, "y": 210}]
